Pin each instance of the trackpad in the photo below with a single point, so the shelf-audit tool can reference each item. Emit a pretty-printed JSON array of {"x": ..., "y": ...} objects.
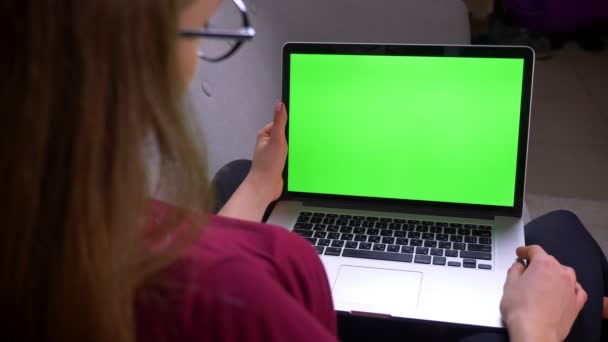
[{"x": 377, "y": 290}]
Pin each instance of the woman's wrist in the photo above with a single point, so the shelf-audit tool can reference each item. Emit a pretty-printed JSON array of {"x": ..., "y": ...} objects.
[
  {"x": 524, "y": 330},
  {"x": 259, "y": 189}
]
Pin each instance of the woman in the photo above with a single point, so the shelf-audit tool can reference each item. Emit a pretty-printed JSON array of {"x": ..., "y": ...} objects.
[{"x": 93, "y": 92}]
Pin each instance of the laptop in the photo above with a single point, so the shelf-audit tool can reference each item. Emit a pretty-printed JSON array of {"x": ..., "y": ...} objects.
[{"x": 406, "y": 171}]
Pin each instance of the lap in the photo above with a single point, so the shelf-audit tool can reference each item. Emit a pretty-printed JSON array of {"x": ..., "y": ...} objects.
[{"x": 560, "y": 233}]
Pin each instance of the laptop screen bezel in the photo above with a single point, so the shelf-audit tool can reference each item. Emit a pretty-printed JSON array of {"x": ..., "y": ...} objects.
[{"x": 524, "y": 53}]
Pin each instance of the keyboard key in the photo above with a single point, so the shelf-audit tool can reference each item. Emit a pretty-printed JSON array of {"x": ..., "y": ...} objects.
[
  {"x": 331, "y": 215},
  {"x": 437, "y": 251},
  {"x": 470, "y": 226},
  {"x": 333, "y": 228},
  {"x": 409, "y": 227},
  {"x": 455, "y": 225},
  {"x": 345, "y": 217},
  {"x": 372, "y": 218},
  {"x": 469, "y": 263},
  {"x": 320, "y": 227},
  {"x": 402, "y": 241},
  {"x": 407, "y": 249},
  {"x": 333, "y": 251},
  {"x": 318, "y": 215},
  {"x": 435, "y": 229},
  {"x": 394, "y": 226},
  {"x": 342, "y": 222},
  {"x": 485, "y": 241},
  {"x": 365, "y": 245},
  {"x": 428, "y": 236},
  {"x": 354, "y": 223},
  {"x": 347, "y": 237},
  {"x": 454, "y": 263},
  {"x": 320, "y": 235},
  {"x": 413, "y": 235},
  {"x": 386, "y": 219},
  {"x": 413, "y": 221},
  {"x": 451, "y": 253},
  {"x": 441, "y": 224},
  {"x": 379, "y": 247},
  {"x": 360, "y": 237},
  {"x": 320, "y": 249},
  {"x": 351, "y": 244},
  {"x": 312, "y": 240},
  {"x": 439, "y": 260},
  {"x": 388, "y": 240},
  {"x": 333, "y": 236},
  {"x": 449, "y": 230},
  {"x": 442, "y": 237},
  {"x": 323, "y": 242},
  {"x": 303, "y": 219},
  {"x": 392, "y": 248},
  {"x": 337, "y": 243},
  {"x": 476, "y": 255},
  {"x": 455, "y": 238},
  {"x": 400, "y": 221},
  {"x": 399, "y": 233},
  {"x": 422, "y": 259},
  {"x": 428, "y": 243},
  {"x": 386, "y": 232},
  {"x": 305, "y": 213},
  {"x": 359, "y": 230},
  {"x": 328, "y": 220},
  {"x": 303, "y": 226},
  {"x": 483, "y": 227},
  {"x": 483, "y": 233},
  {"x": 459, "y": 245},
  {"x": 358, "y": 253},
  {"x": 464, "y": 231},
  {"x": 374, "y": 239},
  {"x": 484, "y": 267},
  {"x": 479, "y": 248},
  {"x": 359, "y": 218},
  {"x": 415, "y": 242},
  {"x": 428, "y": 223},
  {"x": 445, "y": 245},
  {"x": 373, "y": 231},
  {"x": 304, "y": 233},
  {"x": 315, "y": 219},
  {"x": 346, "y": 229},
  {"x": 367, "y": 224},
  {"x": 422, "y": 250},
  {"x": 381, "y": 225},
  {"x": 470, "y": 239},
  {"x": 422, "y": 229}
]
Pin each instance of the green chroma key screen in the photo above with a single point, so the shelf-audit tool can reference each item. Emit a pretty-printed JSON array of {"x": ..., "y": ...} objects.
[{"x": 441, "y": 129}]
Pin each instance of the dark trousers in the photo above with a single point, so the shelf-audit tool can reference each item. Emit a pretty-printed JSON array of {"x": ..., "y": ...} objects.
[{"x": 560, "y": 233}]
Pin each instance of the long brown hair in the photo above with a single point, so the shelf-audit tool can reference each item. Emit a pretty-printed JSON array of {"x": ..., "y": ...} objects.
[{"x": 86, "y": 87}]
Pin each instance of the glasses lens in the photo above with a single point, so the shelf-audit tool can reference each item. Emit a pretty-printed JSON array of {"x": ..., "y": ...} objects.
[{"x": 228, "y": 17}]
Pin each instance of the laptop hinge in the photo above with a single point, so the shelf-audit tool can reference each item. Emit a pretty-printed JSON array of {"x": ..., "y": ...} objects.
[{"x": 402, "y": 209}]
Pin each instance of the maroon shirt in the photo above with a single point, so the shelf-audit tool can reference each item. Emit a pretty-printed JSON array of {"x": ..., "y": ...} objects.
[{"x": 242, "y": 281}]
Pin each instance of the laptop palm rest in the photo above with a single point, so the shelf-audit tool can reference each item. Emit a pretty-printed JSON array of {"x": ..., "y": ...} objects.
[{"x": 376, "y": 290}]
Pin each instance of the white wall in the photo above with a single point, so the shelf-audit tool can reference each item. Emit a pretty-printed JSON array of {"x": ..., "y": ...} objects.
[{"x": 244, "y": 88}]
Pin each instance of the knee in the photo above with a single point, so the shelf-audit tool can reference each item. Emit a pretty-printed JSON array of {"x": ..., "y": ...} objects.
[
  {"x": 558, "y": 222},
  {"x": 565, "y": 216}
]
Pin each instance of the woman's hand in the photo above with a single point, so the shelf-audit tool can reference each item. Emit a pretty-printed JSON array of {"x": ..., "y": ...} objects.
[
  {"x": 540, "y": 302},
  {"x": 264, "y": 182},
  {"x": 269, "y": 157}
]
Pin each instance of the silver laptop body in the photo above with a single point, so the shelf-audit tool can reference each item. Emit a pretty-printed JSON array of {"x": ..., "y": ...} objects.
[{"x": 417, "y": 279}]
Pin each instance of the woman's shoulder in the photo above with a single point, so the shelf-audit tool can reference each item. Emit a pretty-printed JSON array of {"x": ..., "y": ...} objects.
[{"x": 236, "y": 276}]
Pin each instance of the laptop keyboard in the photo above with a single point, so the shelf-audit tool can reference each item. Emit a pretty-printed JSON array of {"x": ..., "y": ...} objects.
[{"x": 423, "y": 242}]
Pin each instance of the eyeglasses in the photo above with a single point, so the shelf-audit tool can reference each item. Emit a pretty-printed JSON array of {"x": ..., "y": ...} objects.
[{"x": 222, "y": 43}]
